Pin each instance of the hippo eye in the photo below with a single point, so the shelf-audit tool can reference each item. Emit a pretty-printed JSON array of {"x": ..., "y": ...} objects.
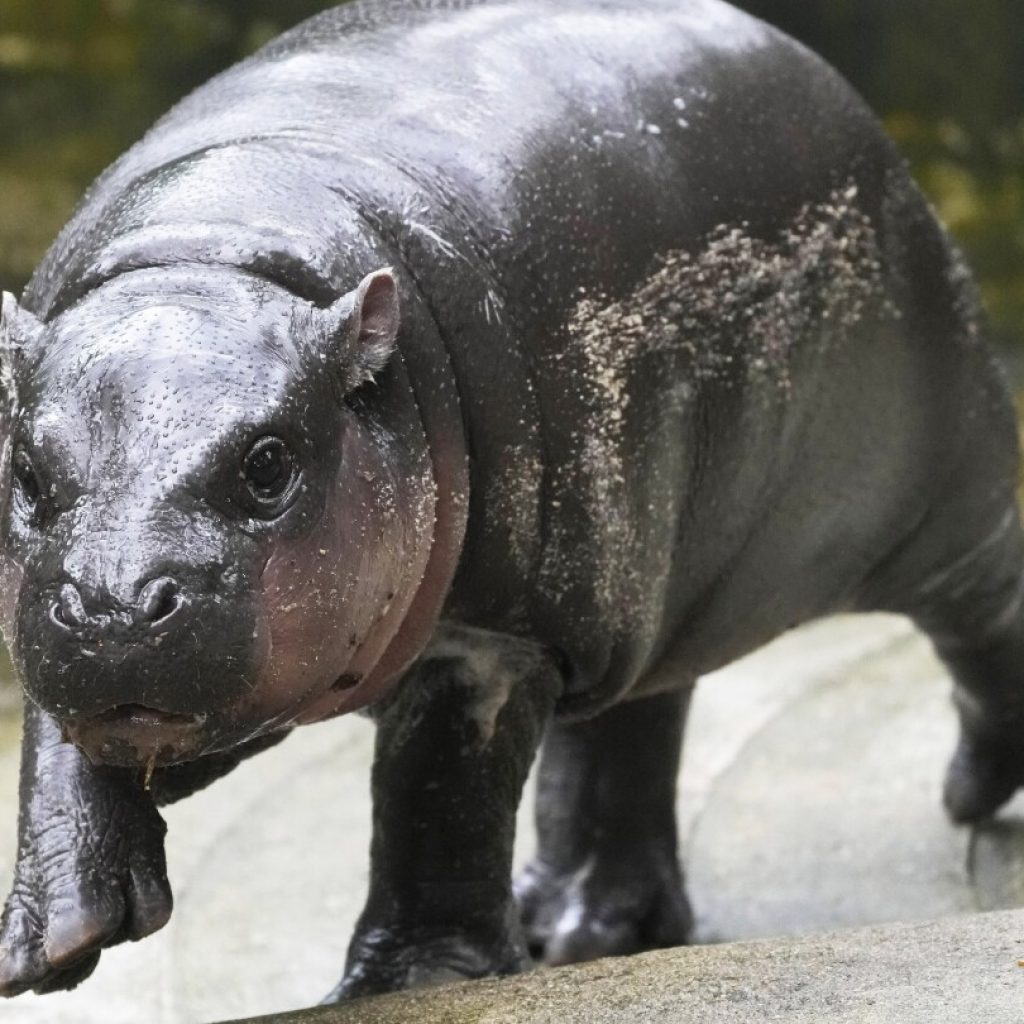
[
  {"x": 26, "y": 478},
  {"x": 269, "y": 471}
]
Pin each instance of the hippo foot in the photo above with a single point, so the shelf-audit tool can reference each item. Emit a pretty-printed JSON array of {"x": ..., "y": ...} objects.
[
  {"x": 613, "y": 905},
  {"x": 385, "y": 961},
  {"x": 78, "y": 889},
  {"x": 981, "y": 777}
]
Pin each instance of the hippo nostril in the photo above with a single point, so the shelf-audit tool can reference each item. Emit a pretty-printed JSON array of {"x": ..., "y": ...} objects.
[
  {"x": 67, "y": 611},
  {"x": 158, "y": 601}
]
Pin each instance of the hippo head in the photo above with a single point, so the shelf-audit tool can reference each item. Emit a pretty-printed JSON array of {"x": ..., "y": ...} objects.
[{"x": 209, "y": 526}]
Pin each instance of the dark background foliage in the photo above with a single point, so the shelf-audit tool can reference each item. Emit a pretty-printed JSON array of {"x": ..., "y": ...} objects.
[{"x": 81, "y": 79}]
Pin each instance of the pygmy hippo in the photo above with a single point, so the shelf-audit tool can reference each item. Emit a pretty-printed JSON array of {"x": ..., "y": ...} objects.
[{"x": 499, "y": 368}]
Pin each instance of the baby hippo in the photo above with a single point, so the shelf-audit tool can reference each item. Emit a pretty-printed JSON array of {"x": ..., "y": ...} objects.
[{"x": 498, "y": 367}]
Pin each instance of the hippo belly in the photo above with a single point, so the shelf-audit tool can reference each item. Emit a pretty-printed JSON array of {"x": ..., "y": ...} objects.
[{"x": 498, "y": 367}]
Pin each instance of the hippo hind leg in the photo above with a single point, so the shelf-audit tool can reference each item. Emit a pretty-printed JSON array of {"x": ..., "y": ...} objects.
[
  {"x": 979, "y": 634},
  {"x": 961, "y": 578},
  {"x": 606, "y": 879}
]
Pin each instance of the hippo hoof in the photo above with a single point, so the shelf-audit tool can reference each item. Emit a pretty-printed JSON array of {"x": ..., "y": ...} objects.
[
  {"x": 981, "y": 778},
  {"x": 611, "y": 906},
  {"x": 385, "y": 961}
]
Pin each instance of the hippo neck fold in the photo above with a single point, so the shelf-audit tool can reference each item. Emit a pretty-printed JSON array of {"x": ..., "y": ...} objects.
[
  {"x": 227, "y": 205},
  {"x": 286, "y": 257}
]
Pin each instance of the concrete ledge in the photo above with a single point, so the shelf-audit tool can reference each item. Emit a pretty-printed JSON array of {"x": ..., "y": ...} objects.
[{"x": 966, "y": 969}]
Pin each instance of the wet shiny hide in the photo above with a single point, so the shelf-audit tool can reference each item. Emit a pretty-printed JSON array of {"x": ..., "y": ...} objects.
[{"x": 496, "y": 368}]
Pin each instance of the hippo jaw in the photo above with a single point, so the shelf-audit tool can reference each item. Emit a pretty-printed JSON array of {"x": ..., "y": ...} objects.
[{"x": 205, "y": 536}]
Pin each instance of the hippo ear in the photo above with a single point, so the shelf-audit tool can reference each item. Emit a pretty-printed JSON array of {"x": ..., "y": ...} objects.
[
  {"x": 18, "y": 330},
  {"x": 363, "y": 326}
]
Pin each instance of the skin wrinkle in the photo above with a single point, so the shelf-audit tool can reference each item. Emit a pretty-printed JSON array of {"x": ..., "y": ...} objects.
[{"x": 61, "y": 304}]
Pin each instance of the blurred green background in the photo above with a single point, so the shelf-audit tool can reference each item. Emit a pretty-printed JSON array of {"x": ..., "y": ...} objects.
[{"x": 81, "y": 79}]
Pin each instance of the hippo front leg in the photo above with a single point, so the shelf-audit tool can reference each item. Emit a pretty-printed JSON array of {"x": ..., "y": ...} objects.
[
  {"x": 90, "y": 869},
  {"x": 454, "y": 747}
]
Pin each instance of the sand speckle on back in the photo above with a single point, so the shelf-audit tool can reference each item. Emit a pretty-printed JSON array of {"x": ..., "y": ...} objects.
[{"x": 740, "y": 310}]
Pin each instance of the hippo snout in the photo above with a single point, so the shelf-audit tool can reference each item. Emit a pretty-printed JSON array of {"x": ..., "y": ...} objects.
[
  {"x": 161, "y": 605},
  {"x": 180, "y": 640}
]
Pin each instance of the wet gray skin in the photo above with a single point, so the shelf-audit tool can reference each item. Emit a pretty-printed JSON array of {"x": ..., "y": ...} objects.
[
  {"x": 500, "y": 368},
  {"x": 157, "y": 484}
]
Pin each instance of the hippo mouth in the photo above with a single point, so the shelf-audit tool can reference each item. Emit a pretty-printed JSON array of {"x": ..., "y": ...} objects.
[
  {"x": 137, "y": 736},
  {"x": 143, "y": 716}
]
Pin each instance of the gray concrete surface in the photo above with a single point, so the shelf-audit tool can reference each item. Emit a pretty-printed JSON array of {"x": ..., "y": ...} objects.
[
  {"x": 809, "y": 800},
  {"x": 958, "y": 971}
]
